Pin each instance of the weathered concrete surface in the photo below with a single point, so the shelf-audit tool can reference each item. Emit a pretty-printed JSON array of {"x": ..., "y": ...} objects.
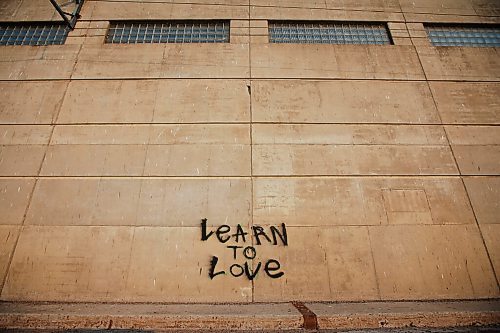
[
  {"x": 467, "y": 103},
  {"x": 380, "y": 262},
  {"x": 329, "y": 201},
  {"x": 476, "y": 149},
  {"x": 382, "y": 161},
  {"x": 134, "y": 202},
  {"x": 461, "y": 64},
  {"x": 14, "y": 199},
  {"x": 107, "y": 264},
  {"x": 163, "y": 150},
  {"x": 43, "y": 62},
  {"x": 122, "y": 61},
  {"x": 155, "y": 101},
  {"x": 335, "y": 62},
  {"x": 357, "y": 150},
  {"x": 297, "y": 101},
  {"x": 308, "y": 12},
  {"x": 484, "y": 193},
  {"x": 30, "y": 102}
]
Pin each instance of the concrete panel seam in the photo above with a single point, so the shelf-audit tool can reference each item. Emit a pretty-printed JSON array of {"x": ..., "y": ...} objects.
[{"x": 461, "y": 176}]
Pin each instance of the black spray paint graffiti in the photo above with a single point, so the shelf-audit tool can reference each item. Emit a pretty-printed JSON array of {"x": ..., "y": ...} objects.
[{"x": 275, "y": 236}]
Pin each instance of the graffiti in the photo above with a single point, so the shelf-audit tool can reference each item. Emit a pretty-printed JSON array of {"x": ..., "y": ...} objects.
[{"x": 273, "y": 236}]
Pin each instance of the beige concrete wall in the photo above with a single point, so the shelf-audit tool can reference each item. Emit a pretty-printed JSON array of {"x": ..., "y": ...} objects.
[{"x": 382, "y": 161}]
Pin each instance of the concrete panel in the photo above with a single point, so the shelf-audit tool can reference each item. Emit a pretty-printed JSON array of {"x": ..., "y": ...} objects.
[
  {"x": 358, "y": 150},
  {"x": 133, "y": 10},
  {"x": 460, "y": 63},
  {"x": 8, "y": 237},
  {"x": 333, "y": 14},
  {"x": 148, "y": 202},
  {"x": 486, "y": 7},
  {"x": 156, "y": 316},
  {"x": 30, "y": 102},
  {"x": 370, "y": 5},
  {"x": 9, "y": 8},
  {"x": 41, "y": 62},
  {"x": 289, "y": 3},
  {"x": 163, "y": 150},
  {"x": 156, "y": 101},
  {"x": 352, "y": 160},
  {"x": 348, "y": 134},
  {"x": 478, "y": 160},
  {"x": 94, "y": 160},
  {"x": 360, "y": 201},
  {"x": 27, "y": 10},
  {"x": 66, "y": 264},
  {"x": 453, "y": 19},
  {"x": 491, "y": 234},
  {"x": 476, "y": 149},
  {"x": 21, "y": 160},
  {"x": 14, "y": 199},
  {"x": 198, "y": 160},
  {"x": 467, "y": 103},
  {"x": 179, "y": 269},
  {"x": 343, "y": 102},
  {"x": 25, "y": 134},
  {"x": 473, "y": 135},
  {"x": 333, "y": 263},
  {"x": 484, "y": 193},
  {"x": 457, "y": 7},
  {"x": 113, "y": 61},
  {"x": 152, "y": 134},
  {"x": 152, "y": 160},
  {"x": 359, "y": 5},
  {"x": 432, "y": 262},
  {"x": 335, "y": 61}
]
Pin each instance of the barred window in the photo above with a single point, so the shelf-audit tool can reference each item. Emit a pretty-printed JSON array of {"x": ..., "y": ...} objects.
[
  {"x": 168, "y": 32},
  {"x": 33, "y": 33},
  {"x": 328, "y": 32},
  {"x": 463, "y": 35}
]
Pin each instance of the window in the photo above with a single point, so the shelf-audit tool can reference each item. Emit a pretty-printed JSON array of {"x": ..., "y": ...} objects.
[
  {"x": 463, "y": 35},
  {"x": 33, "y": 33},
  {"x": 168, "y": 32},
  {"x": 328, "y": 33}
]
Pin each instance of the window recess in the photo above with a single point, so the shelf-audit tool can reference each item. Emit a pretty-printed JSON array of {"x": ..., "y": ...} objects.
[
  {"x": 33, "y": 33},
  {"x": 463, "y": 35},
  {"x": 310, "y": 32},
  {"x": 168, "y": 32}
]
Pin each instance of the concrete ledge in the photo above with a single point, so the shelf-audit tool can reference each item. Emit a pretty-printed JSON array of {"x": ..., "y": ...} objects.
[
  {"x": 149, "y": 316},
  {"x": 258, "y": 316},
  {"x": 405, "y": 314}
]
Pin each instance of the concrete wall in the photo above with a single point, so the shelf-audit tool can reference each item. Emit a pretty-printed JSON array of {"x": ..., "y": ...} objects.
[{"x": 383, "y": 162}]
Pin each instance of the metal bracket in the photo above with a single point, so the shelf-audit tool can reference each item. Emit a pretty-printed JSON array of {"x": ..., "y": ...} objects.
[{"x": 69, "y": 18}]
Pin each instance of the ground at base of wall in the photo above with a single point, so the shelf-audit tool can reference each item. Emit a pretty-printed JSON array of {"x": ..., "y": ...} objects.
[
  {"x": 469, "y": 329},
  {"x": 423, "y": 316}
]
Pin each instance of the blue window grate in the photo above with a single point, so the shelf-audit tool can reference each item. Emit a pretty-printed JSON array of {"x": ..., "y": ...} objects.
[
  {"x": 168, "y": 32},
  {"x": 328, "y": 33},
  {"x": 476, "y": 36},
  {"x": 33, "y": 34}
]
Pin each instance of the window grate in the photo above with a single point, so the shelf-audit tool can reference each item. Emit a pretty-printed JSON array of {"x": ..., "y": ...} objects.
[
  {"x": 168, "y": 32},
  {"x": 33, "y": 34},
  {"x": 328, "y": 33},
  {"x": 475, "y": 36}
]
